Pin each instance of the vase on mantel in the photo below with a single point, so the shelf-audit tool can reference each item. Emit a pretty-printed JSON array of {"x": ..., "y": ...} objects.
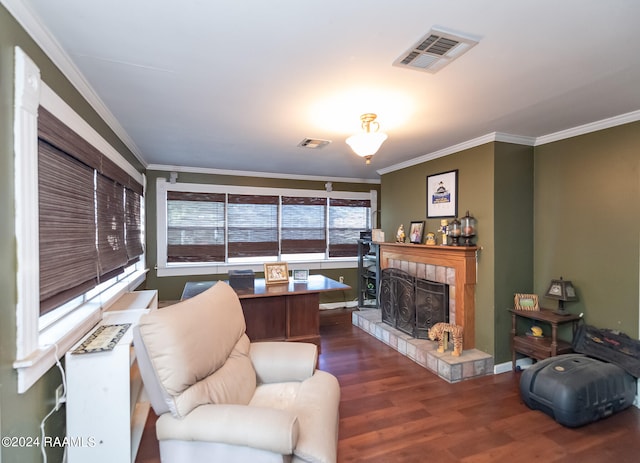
[{"x": 468, "y": 229}]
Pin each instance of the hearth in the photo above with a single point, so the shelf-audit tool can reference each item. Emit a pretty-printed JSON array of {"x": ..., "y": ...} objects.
[{"x": 410, "y": 304}]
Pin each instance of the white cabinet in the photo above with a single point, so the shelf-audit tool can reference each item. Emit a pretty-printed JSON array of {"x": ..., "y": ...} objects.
[{"x": 106, "y": 405}]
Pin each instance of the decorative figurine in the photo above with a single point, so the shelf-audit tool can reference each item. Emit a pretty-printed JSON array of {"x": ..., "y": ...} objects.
[
  {"x": 431, "y": 239},
  {"x": 440, "y": 331},
  {"x": 444, "y": 229},
  {"x": 400, "y": 236}
]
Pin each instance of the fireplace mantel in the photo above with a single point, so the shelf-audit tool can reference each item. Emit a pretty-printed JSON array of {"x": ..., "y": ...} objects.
[{"x": 461, "y": 258}]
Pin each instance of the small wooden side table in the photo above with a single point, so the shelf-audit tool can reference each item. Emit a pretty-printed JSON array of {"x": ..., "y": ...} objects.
[{"x": 544, "y": 347}]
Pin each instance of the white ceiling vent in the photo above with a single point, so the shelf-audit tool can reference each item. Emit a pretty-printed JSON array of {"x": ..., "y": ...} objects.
[
  {"x": 313, "y": 143},
  {"x": 435, "y": 50}
]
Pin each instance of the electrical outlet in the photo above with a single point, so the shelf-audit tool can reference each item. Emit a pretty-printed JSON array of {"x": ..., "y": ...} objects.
[
  {"x": 59, "y": 396},
  {"x": 341, "y": 279}
]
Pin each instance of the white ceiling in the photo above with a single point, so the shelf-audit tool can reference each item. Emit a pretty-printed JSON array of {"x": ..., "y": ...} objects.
[{"x": 237, "y": 84}]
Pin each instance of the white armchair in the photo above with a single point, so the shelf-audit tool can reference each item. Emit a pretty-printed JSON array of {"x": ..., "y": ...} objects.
[{"x": 220, "y": 397}]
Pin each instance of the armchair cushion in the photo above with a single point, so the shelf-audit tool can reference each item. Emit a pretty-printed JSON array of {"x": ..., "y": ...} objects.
[
  {"x": 203, "y": 362},
  {"x": 275, "y": 362},
  {"x": 261, "y": 428}
]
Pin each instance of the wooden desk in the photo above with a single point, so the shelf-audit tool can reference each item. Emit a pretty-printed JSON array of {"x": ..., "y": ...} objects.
[{"x": 279, "y": 312}]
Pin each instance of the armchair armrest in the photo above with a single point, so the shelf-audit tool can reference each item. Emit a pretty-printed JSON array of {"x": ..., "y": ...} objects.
[
  {"x": 276, "y": 362},
  {"x": 256, "y": 427}
]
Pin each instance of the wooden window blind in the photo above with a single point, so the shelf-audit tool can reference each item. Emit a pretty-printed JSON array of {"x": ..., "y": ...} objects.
[
  {"x": 347, "y": 218},
  {"x": 252, "y": 224},
  {"x": 83, "y": 214},
  {"x": 303, "y": 225},
  {"x": 68, "y": 254},
  {"x": 112, "y": 251},
  {"x": 133, "y": 225},
  {"x": 195, "y": 227}
]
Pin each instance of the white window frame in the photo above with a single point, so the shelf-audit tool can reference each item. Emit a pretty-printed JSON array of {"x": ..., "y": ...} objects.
[
  {"x": 165, "y": 269},
  {"x": 37, "y": 341}
]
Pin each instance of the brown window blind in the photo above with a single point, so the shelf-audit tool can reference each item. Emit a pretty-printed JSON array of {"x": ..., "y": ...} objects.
[
  {"x": 68, "y": 253},
  {"x": 112, "y": 251},
  {"x": 74, "y": 197},
  {"x": 252, "y": 224},
  {"x": 57, "y": 134},
  {"x": 195, "y": 227},
  {"x": 347, "y": 218},
  {"x": 133, "y": 225},
  {"x": 303, "y": 225}
]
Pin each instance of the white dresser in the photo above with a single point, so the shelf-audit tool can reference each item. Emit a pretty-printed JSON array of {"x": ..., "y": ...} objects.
[{"x": 106, "y": 406}]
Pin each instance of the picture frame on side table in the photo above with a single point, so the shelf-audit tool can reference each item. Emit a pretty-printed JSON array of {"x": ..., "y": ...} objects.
[
  {"x": 276, "y": 272},
  {"x": 416, "y": 232},
  {"x": 300, "y": 275},
  {"x": 442, "y": 195},
  {"x": 528, "y": 302}
]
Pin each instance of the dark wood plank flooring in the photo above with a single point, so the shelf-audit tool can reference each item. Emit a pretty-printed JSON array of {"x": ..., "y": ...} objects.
[{"x": 393, "y": 410}]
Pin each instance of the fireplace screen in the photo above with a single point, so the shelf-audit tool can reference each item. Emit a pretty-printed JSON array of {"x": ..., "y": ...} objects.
[{"x": 410, "y": 304}]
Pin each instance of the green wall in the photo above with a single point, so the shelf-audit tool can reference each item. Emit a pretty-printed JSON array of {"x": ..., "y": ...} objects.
[
  {"x": 587, "y": 223},
  {"x": 513, "y": 236},
  {"x": 170, "y": 288},
  {"x": 20, "y": 414}
]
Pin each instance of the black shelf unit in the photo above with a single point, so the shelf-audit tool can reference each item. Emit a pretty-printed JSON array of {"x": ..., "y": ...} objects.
[{"x": 368, "y": 274}]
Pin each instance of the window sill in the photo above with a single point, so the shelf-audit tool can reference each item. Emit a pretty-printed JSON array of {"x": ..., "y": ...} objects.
[
  {"x": 190, "y": 269},
  {"x": 58, "y": 338}
]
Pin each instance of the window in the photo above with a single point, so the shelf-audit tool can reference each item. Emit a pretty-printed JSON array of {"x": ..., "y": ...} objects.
[
  {"x": 252, "y": 221},
  {"x": 347, "y": 217},
  {"x": 216, "y": 225},
  {"x": 303, "y": 227},
  {"x": 195, "y": 227},
  {"x": 78, "y": 220}
]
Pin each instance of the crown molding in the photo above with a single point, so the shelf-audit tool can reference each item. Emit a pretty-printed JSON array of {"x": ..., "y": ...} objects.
[
  {"x": 54, "y": 51},
  {"x": 622, "y": 119},
  {"x": 515, "y": 139},
  {"x": 488, "y": 138},
  {"x": 246, "y": 173}
]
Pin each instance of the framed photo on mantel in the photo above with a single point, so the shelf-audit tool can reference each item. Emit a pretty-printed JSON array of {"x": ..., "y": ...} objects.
[
  {"x": 416, "y": 232},
  {"x": 442, "y": 195}
]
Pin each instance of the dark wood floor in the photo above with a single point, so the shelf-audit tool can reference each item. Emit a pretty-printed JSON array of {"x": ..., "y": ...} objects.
[{"x": 393, "y": 410}]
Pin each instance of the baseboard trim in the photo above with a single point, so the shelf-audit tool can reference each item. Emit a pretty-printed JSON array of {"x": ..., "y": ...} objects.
[{"x": 508, "y": 366}]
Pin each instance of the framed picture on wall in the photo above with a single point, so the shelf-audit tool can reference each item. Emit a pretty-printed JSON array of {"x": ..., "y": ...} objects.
[{"x": 442, "y": 195}]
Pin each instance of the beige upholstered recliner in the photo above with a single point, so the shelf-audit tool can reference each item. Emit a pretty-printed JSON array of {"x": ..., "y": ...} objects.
[{"x": 221, "y": 398}]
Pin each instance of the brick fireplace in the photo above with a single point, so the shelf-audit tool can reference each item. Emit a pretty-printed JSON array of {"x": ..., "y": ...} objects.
[
  {"x": 451, "y": 265},
  {"x": 454, "y": 266}
]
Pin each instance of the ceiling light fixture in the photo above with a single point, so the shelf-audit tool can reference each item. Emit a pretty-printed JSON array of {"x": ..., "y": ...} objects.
[{"x": 368, "y": 142}]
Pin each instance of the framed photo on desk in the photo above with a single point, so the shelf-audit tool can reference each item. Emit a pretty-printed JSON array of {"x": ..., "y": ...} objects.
[
  {"x": 276, "y": 272},
  {"x": 300, "y": 275}
]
